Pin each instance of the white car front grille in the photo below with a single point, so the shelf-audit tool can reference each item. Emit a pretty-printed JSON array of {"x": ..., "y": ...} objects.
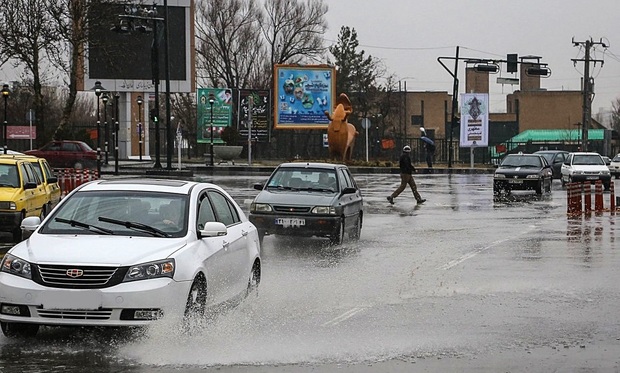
[{"x": 76, "y": 277}]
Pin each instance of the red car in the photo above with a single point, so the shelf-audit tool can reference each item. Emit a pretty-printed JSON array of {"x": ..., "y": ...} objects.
[{"x": 67, "y": 154}]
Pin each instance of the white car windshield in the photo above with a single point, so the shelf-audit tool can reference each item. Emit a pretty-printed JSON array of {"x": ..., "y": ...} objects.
[
  {"x": 120, "y": 213},
  {"x": 589, "y": 159}
]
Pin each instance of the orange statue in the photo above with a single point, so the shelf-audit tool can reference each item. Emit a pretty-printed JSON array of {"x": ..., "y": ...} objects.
[{"x": 340, "y": 133}]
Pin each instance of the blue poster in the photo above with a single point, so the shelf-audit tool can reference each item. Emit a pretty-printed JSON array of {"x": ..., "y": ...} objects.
[{"x": 302, "y": 95}]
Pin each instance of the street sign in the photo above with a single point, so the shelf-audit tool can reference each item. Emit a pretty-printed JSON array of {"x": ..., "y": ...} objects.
[
  {"x": 507, "y": 80},
  {"x": 366, "y": 123}
]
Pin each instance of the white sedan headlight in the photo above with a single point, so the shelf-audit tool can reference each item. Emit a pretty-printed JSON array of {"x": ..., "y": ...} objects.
[
  {"x": 16, "y": 266},
  {"x": 162, "y": 268},
  {"x": 260, "y": 207}
]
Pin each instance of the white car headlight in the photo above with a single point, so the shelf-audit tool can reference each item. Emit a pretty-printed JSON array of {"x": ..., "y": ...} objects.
[
  {"x": 604, "y": 172},
  {"x": 16, "y": 266},
  {"x": 260, "y": 207},
  {"x": 531, "y": 177},
  {"x": 329, "y": 210},
  {"x": 500, "y": 176},
  {"x": 162, "y": 268}
]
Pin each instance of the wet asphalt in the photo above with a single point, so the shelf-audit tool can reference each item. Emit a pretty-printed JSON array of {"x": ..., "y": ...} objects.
[{"x": 464, "y": 282}]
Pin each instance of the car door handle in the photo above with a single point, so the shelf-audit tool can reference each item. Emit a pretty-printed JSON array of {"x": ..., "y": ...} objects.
[
  {"x": 244, "y": 233},
  {"x": 225, "y": 244}
]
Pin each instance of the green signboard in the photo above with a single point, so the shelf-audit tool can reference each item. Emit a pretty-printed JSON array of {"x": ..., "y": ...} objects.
[{"x": 214, "y": 113}]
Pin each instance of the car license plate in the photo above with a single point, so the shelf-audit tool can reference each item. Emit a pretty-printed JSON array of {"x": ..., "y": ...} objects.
[
  {"x": 592, "y": 178},
  {"x": 71, "y": 300},
  {"x": 516, "y": 181},
  {"x": 290, "y": 222}
]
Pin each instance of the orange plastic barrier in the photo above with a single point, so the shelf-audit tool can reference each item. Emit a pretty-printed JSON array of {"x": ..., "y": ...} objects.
[{"x": 70, "y": 178}]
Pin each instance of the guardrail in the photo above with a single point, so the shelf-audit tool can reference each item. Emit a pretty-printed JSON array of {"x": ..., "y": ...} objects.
[
  {"x": 71, "y": 178},
  {"x": 579, "y": 198}
]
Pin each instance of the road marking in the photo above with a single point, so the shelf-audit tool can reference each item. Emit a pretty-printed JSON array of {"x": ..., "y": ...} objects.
[
  {"x": 345, "y": 316},
  {"x": 472, "y": 254}
]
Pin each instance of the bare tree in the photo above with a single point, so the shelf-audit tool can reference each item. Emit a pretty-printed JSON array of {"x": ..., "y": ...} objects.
[
  {"x": 229, "y": 42},
  {"x": 25, "y": 37},
  {"x": 70, "y": 24},
  {"x": 615, "y": 114},
  {"x": 184, "y": 109},
  {"x": 294, "y": 30}
]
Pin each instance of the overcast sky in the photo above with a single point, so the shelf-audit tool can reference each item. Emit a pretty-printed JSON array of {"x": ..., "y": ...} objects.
[{"x": 409, "y": 35}]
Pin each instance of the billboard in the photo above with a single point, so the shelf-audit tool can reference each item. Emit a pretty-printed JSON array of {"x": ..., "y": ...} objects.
[
  {"x": 213, "y": 117},
  {"x": 122, "y": 60},
  {"x": 302, "y": 94},
  {"x": 261, "y": 113},
  {"x": 474, "y": 120}
]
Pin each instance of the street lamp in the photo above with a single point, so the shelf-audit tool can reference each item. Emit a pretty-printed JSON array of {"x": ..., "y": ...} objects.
[
  {"x": 139, "y": 101},
  {"x": 137, "y": 19},
  {"x": 105, "y": 98},
  {"x": 6, "y": 92},
  {"x": 211, "y": 102},
  {"x": 117, "y": 113},
  {"x": 98, "y": 88}
]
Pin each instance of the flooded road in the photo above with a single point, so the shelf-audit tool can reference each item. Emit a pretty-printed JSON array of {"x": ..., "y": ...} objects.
[{"x": 461, "y": 283}]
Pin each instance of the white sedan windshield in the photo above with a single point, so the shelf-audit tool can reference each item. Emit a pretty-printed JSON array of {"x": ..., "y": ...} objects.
[{"x": 120, "y": 213}]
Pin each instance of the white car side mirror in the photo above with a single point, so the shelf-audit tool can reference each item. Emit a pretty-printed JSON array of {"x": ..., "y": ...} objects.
[
  {"x": 213, "y": 229},
  {"x": 30, "y": 223}
]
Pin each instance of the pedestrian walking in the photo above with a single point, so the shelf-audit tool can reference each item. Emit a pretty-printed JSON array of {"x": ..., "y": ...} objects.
[
  {"x": 429, "y": 146},
  {"x": 406, "y": 177}
]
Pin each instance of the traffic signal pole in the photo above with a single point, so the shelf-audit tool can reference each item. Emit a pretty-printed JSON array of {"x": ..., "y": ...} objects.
[
  {"x": 587, "y": 91},
  {"x": 486, "y": 65}
]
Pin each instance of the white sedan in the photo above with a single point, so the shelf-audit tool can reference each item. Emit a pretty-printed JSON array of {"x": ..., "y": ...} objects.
[{"x": 127, "y": 253}]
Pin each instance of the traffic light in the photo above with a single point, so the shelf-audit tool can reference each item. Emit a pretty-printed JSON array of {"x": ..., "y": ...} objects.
[
  {"x": 537, "y": 71},
  {"x": 153, "y": 114},
  {"x": 486, "y": 68},
  {"x": 511, "y": 62}
]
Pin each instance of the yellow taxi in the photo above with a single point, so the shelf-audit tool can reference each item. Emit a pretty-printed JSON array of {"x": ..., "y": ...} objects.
[
  {"x": 22, "y": 194},
  {"x": 46, "y": 174}
]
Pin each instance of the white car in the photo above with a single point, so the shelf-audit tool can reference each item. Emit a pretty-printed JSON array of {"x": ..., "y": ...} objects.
[
  {"x": 127, "y": 253},
  {"x": 614, "y": 166},
  {"x": 585, "y": 166}
]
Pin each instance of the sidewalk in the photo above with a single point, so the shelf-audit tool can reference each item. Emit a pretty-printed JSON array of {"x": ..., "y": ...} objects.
[{"x": 189, "y": 168}]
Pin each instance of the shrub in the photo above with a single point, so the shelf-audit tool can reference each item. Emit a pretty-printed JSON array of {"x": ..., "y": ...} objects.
[{"x": 230, "y": 135}]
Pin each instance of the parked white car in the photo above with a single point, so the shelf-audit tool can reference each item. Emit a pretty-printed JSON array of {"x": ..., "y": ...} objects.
[
  {"x": 614, "y": 166},
  {"x": 127, "y": 253},
  {"x": 585, "y": 166}
]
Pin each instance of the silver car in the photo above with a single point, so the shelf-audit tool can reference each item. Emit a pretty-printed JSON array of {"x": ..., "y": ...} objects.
[{"x": 614, "y": 166}]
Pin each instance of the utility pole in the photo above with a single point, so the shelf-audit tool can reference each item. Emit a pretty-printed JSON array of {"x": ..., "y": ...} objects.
[{"x": 588, "y": 84}]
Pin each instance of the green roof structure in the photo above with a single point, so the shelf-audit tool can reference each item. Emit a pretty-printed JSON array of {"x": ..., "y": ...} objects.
[
  {"x": 546, "y": 137},
  {"x": 556, "y": 135}
]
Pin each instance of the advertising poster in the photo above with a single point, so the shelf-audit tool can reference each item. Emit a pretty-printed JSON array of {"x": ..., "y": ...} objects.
[
  {"x": 474, "y": 120},
  {"x": 302, "y": 94},
  {"x": 261, "y": 113},
  {"x": 220, "y": 113}
]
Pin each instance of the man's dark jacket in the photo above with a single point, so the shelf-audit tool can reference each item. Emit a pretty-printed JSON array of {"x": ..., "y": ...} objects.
[{"x": 405, "y": 164}]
